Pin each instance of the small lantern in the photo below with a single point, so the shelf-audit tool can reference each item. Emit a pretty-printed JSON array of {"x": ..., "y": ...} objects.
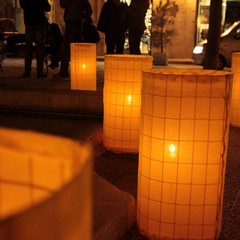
[
  {"x": 235, "y": 104},
  {"x": 83, "y": 66},
  {"x": 182, "y": 154},
  {"x": 45, "y": 187},
  {"x": 122, "y": 90}
]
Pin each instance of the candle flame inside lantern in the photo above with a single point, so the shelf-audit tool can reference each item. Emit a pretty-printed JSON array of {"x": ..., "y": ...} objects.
[
  {"x": 129, "y": 98},
  {"x": 84, "y": 66},
  {"x": 172, "y": 149}
]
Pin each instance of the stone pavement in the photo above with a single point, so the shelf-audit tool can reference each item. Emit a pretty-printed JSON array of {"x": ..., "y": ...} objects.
[{"x": 115, "y": 184}]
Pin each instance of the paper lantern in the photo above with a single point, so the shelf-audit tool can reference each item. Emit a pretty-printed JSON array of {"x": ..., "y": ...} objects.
[
  {"x": 83, "y": 66},
  {"x": 122, "y": 95},
  {"x": 182, "y": 154},
  {"x": 235, "y": 104},
  {"x": 45, "y": 187}
]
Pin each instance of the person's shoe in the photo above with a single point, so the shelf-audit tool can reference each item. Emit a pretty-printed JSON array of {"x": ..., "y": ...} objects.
[
  {"x": 53, "y": 66},
  {"x": 41, "y": 75},
  {"x": 26, "y": 75},
  {"x": 53, "y": 71},
  {"x": 64, "y": 76}
]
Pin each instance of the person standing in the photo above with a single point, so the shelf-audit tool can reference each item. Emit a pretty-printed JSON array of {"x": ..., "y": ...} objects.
[
  {"x": 75, "y": 13},
  {"x": 35, "y": 22},
  {"x": 113, "y": 23},
  {"x": 138, "y": 10},
  {"x": 54, "y": 41}
]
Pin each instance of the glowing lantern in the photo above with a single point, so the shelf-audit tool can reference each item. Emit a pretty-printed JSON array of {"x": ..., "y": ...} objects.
[
  {"x": 122, "y": 90},
  {"x": 45, "y": 184},
  {"x": 182, "y": 153},
  {"x": 235, "y": 104},
  {"x": 83, "y": 66}
]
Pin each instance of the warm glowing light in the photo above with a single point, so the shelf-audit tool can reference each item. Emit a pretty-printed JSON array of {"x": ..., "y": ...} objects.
[
  {"x": 182, "y": 153},
  {"x": 235, "y": 104},
  {"x": 122, "y": 99},
  {"x": 83, "y": 66},
  {"x": 129, "y": 98},
  {"x": 40, "y": 178},
  {"x": 172, "y": 148}
]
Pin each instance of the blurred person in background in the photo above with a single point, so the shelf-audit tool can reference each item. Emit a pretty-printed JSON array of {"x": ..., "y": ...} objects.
[
  {"x": 113, "y": 22},
  {"x": 138, "y": 10},
  {"x": 76, "y": 12},
  {"x": 35, "y": 22}
]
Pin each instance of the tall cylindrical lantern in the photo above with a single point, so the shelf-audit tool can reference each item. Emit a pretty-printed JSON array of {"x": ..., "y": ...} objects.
[
  {"x": 122, "y": 95},
  {"x": 235, "y": 104},
  {"x": 83, "y": 66},
  {"x": 182, "y": 154},
  {"x": 45, "y": 187}
]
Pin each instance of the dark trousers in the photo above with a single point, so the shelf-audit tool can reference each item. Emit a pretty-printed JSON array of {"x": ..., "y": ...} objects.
[
  {"x": 134, "y": 41},
  {"x": 73, "y": 33},
  {"x": 37, "y": 35},
  {"x": 115, "y": 43},
  {"x": 55, "y": 46}
]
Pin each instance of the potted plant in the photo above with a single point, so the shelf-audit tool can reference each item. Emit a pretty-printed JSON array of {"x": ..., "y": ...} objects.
[{"x": 163, "y": 16}]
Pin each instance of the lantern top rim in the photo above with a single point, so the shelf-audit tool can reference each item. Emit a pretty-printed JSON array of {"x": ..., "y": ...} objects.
[
  {"x": 236, "y": 53},
  {"x": 187, "y": 72},
  {"x": 65, "y": 147},
  {"x": 126, "y": 56},
  {"x": 83, "y": 44}
]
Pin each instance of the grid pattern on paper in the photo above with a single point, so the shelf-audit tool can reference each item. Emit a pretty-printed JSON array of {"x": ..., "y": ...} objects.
[
  {"x": 32, "y": 168},
  {"x": 122, "y": 89},
  {"x": 235, "y": 104},
  {"x": 180, "y": 189},
  {"x": 83, "y": 66}
]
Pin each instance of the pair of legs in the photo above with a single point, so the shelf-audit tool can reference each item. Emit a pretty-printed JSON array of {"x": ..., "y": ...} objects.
[
  {"x": 115, "y": 43},
  {"x": 134, "y": 41},
  {"x": 55, "y": 46},
  {"x": 54, "y": 40},
  {"x": 73, "y": 33},
  {"x": 37, "y": 35}
]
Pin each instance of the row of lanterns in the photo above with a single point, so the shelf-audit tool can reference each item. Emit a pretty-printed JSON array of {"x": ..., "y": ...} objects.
[
  {"x": 177, "y": 119},
  {"x": 83, "y": 76}
]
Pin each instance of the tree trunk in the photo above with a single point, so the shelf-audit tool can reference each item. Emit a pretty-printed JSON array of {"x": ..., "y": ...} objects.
[{"x": 214, "y": 33}]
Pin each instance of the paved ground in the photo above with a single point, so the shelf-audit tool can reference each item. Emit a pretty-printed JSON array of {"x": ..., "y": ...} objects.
[{"x": 121, "y": 169}]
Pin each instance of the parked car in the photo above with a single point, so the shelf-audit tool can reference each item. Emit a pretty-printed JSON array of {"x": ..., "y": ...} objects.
[{"x": 229, "y": 43}]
